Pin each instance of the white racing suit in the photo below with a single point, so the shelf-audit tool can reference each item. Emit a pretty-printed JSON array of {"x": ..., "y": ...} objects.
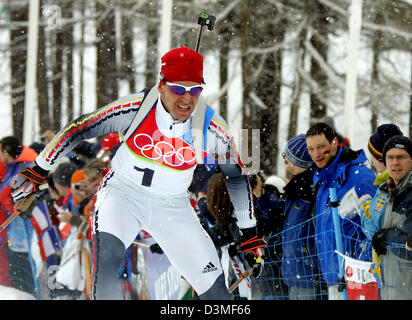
[{"x": 147, "y": 189}]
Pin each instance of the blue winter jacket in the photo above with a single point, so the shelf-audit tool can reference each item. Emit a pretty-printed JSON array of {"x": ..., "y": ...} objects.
[
  {"x": 299, "y": 261},
  {"x": 346, "y": 171}
]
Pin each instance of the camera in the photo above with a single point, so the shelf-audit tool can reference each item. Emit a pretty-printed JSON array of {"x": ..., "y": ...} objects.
[
  {"x": 77, "y": 186},
  {"x": 253, "y": 179}
]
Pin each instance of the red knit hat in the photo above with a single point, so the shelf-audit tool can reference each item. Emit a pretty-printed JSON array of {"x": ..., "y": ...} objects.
[{"x": 182, "y": 64}]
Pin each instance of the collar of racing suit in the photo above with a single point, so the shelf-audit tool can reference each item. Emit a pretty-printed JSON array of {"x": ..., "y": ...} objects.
[{"x": 167, "y": 125}]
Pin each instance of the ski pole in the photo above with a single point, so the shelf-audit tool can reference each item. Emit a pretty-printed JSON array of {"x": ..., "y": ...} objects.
[
  {"x": 204, "y": 20},
  {"x": 24, "y": 206},
  {"x": 244, "y": 276}
]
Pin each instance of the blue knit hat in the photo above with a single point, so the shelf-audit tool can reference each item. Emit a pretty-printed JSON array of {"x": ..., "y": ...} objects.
[
  {"x": 378, "y": 139},
  {"x": 297, "y": 152}
]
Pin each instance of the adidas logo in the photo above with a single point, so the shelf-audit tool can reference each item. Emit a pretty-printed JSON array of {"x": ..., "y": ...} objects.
[{"x": 209, "y": 268}]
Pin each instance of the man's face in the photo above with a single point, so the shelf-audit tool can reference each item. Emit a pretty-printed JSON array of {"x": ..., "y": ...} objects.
[
  {"x": 92, "y": 182},
  {"x": 321, "y": 150},
  {"x": 62, "y": 190},
  {"x": 179, "y": 107},
  {"x": 398, "y": 163},
  {"x": 290, "y": 167}
]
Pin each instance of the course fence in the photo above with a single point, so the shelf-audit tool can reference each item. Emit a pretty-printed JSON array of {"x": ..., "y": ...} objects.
[{"x": 346, "y": 268}]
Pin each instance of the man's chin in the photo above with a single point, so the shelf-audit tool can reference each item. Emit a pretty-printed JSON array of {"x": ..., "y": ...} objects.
[
  {"x": 321, "y": 164},
  {"x": 182, "y": 116}
]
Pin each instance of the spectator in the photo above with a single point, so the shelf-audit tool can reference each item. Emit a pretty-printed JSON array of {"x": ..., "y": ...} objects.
[
  {"x": 53, "y": 259},
  {"x": 225, "y": 233},
  {"x": 81, "y": 222},
  {"x": 14, "y": 154},
  {"x": 275, "y": 184},
  {"x": 94, "y": 173},
  {"x": 344, "y": 169},
  {"x": 81, "y": 194},
  {"x": 389, "y": 240},
  {"x": 225, "y": 230},
  {"x": 372, "y": 213},
  {"x": 269, "y": 223},
  {"x": 299, "y": 263},
  {"x": 266, "y": 202},
  {"x": 62, "y": 182},
  {"x": 48, "y": 240},
  {"x": 81, "y": 197},
  {"x": 62, "y": 177}
]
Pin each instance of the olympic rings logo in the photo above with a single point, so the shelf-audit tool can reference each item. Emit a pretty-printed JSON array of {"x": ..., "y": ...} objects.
[{"x": 163, "y": 151}]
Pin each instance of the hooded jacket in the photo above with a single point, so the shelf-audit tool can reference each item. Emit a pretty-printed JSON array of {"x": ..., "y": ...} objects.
[{"x": 346, "y": 171}]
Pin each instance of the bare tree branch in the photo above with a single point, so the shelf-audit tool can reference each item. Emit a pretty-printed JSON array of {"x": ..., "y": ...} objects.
[{"x": 369, "y": 25}]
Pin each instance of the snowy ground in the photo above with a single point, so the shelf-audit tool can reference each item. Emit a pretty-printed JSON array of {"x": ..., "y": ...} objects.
[{"x": 7, "y": 293}]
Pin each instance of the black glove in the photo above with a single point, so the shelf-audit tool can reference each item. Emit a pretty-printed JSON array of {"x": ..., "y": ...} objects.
[
  {"x": 233, "y": 250},
  {"x": 27, "y": 181},
  {"x": 155, "y": 248},
  {"x": 256, "y": 265},
  {"x": 26, "y": 214},
  {"x": 263, "y": 225},
  {"x": 342, "y": 284},
  {"x": 378, "y": 240}
]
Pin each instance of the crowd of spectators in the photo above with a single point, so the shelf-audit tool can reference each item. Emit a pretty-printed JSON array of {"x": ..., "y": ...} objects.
[{"x": 48, "y": 247}]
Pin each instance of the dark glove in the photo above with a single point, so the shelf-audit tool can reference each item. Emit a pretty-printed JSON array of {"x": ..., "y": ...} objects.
[
  {"x": 255, "y": 264},
  {"x": 27, "y": 181},
  {"x": 409, "y": 240},
  {"x": 26, "y": 214},
  {"x": 378, "y": 240},
  {"x": 263, "y": 225},
  {"x": 155, "y": 248},
  {"x": 233, "y": 250},
  {"x": 342, "y": 284}
]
